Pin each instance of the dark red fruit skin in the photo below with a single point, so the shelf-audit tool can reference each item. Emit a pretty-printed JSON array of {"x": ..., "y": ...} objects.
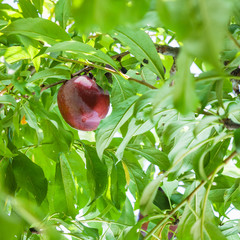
[
  {"x": 82, "y": 103},
  {"x": 172, "y": 230},
  {"x": 144, "y": 225}
]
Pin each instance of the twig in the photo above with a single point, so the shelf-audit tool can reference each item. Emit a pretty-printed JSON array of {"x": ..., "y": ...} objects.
[
  {"x": 53, "y": 84},
  {"x": 229, "y": 124},
  {"x": 108, "y": 69},
  {"x": 234, "y": 40},
  {"x": 6, "y": 89},
  {"x": 190, "y": 196},
  {"x": 167, "y": 50},
  {"x": 120, "y": 55},
  {"x": 84, "y": 70}
]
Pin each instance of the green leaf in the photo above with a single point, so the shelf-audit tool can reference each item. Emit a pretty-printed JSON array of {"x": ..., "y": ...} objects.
[
  {"x": 237, "y": 139},
  {"x": 96, "y": 172},
  {"x": 39, "y": 5},
  {"x": 28, "y": 9},
  {"x": 200, "y": 34},
  {"x": 219, "y": 91},
  {"x": 8, "y": 99},
  {"x": 213, "y": 231},
  {"x": 7, "y": 179},
  {"x": 55, "y": 141},
  {"x": 3, "y": 23},
  {"x": 31, "y": 119},
  {"x": 78, "y": 230},
  {"x": 189, "y": 225},
  {"x": 136, "y": 172},
  {"x": 185, "y": 98},
  {"x": 16, "y": 53},
  {"x": 145, "y": 100},
  {"x": 148, "y": 195},
  {"x": 84, "y": 51},
  {"x": 68, "y": 185},
  {"x": 122, "y": 89},
  {"x": 136, "y": 127},
  {"x": 106, "y": 15},
  {"x": 127, "y": 216},
  {"x": 32, "y": 46},
  {"x": 142, "y": 47},
  {"x": 30, "y": 177},
  {"x": 10, "y": 226},
  {"x": 59, "y": 73},
  {"x": 153, "y": 155},
  {"x": 161, "y": 200},
  {"x": 216, "y": 156},
  {"x": 118, "y": 184},
  {"x": 7, "y": 12},
  {"x": 110, "y": 125},
  {"x": 132, "y": 233},
  {"x": 77, "y": 164},
  {"x": 63, "y": 185},
  {"x": 62, "y": 12},
  {"x": 39, "y": 29},
  {"x": 169, "y": 187}
]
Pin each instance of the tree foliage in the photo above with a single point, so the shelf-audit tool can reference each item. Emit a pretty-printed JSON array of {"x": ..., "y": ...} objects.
[{"x": 164, "y": 163}]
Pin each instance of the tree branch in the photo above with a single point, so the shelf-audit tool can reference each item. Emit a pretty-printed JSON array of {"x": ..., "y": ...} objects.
[
  {"x": 234, "y": 40},
  {"x": 84, "y": 70},
  {"x": 108, "y": 69},
  {"x": 190, "y": 196},
  {"x": 230, "y": 125},
  {"x": 53, "y": 84},
  {"x": 163, "y": 49},
  {"x": 167, "y": 50}
]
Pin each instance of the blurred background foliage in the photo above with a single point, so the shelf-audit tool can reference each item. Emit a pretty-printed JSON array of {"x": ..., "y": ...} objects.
[{"x": 164, "y": 164}]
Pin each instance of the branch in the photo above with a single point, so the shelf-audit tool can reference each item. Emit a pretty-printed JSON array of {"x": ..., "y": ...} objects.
[
  {"x": 108, "y": 69},
  {"x": 163, "y": 49},
  {"x": 119, "y": 56},
  {"x": 230, "y": 125},
  {"x": 234, "y": 40},
  {"x": 53, "y": 84},
  {"x": 84, "y": 70},
  {"x": 167, "y": 50},
  {"x": 6, "y": 89},
  {"x": 190, "y": 196}
]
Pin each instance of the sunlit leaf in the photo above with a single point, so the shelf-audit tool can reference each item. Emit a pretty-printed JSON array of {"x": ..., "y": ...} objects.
[
  {"x": 110, "y": 125},
  {"x": 142, "y": 47},
  {"x": 30, "y": 177},
  {"x": 39, "y": 29},
  {"x": 84, "y": 51}
]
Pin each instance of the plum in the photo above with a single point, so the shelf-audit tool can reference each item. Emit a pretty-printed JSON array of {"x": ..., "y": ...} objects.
[{"x": 82, "y": 103}]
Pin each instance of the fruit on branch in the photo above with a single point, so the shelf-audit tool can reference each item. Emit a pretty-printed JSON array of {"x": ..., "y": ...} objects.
[{"x": 82, "y": 103}]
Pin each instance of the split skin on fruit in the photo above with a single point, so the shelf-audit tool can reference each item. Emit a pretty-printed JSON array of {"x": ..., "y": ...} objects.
[{"x": 82, "y": 103}]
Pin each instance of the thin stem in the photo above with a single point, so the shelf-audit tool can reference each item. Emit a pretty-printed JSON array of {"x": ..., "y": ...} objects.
[
  {"x": 6, "y": 89},
  {"x": 84, "y": 70},
  {"x": 190, "y": 196},
  {"x": 108, "y": 69},
  {"x": 53, "y": 84},
  {"x": 217, "y": 77},
  {"x": 234, "y": 40},
  {"x": 229, "y": 124},
  {"x": 104, "y": 221},
  {"x": 120, "y": 55},
  {"x": 205, "y": 202},
  {"x": 167, "y": 50}
]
